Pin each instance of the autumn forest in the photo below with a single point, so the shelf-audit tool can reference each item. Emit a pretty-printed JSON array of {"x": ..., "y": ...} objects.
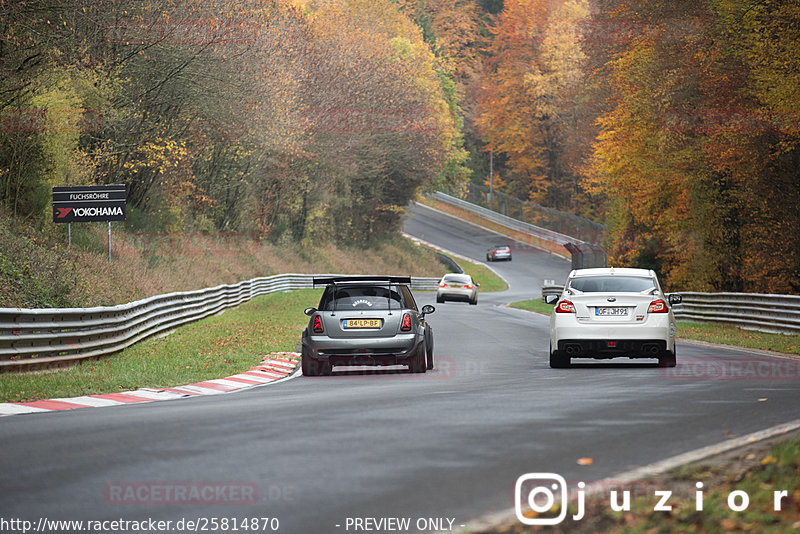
[{"x": 675, "y": 123}]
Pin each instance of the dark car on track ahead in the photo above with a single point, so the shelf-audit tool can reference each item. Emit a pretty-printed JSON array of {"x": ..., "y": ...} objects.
[{"x": 366, "y": 320}]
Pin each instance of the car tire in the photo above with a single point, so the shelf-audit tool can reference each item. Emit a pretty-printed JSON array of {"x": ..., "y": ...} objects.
[
  {"x": 440, "y": 300},
  {"x": 418, "y": 363},
  {"x": 429, "y": 354},
  {"x": 474, "y": 302},
  {"x": 558, "y": 360},
  {"x": 669, "y": 359},
  {"x": 488, "y": 258},
  {"x": 313, "y": 367}
]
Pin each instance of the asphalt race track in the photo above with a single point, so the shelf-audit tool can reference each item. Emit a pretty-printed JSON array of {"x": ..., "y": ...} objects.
[{"x": 313, "y": 452}]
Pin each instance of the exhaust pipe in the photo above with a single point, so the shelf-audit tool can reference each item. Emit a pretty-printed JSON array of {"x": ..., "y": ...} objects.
[
  {"x": 653, "y": 350},
  {"x": 573, "y": 350}
]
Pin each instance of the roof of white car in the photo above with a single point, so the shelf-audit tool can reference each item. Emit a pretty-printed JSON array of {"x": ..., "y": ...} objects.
[{"x": 606, "y": 271}]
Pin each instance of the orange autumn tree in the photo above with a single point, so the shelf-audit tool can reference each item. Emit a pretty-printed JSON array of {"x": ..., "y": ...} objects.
[
  {"x": 695, "y": 156},
  {"x": 529, "y": 103}
]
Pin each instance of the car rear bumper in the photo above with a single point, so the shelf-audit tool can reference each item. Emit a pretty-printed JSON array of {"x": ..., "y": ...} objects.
[
  {"x": 455, "y": 294},
  {"x": 649, "y": 339},
  {"x": 372, "y": 351},
  {"x": 632, "y": 348}
]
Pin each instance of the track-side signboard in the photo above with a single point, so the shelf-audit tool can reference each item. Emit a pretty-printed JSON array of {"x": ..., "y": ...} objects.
[{"x": 89, "y": 203}]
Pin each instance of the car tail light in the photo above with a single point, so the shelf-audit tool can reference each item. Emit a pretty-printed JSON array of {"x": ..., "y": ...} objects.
[
  {"x": 405, "y": 326},
  {"x": 442, "y": 284},
  {"x": 467, "y": 286},
  {"x": 565, "y": 306},
  {"x": 658, "y": 306},
  {"x": 317, "y": 328}
]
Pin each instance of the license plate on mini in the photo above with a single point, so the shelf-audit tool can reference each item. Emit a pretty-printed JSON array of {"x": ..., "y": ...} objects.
[
  {"x": 611, "y": 312},
  {"x": 350, "y": 324}
]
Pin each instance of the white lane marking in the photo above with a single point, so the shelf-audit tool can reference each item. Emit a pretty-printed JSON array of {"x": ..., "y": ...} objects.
[
  {"x": 495, "y": 519},
  {"x": 14, "y": 409}
]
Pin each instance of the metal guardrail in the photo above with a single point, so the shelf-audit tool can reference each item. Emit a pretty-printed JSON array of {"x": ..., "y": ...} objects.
[
  {"x": 581, "y": 228},
  {"x": 508, "y": 222},
  {"x": 46, "y": 338},
  {"x": 778, "y": 314},
  {"x": 551, "y": 288},
  {"x": 754, "y": 311}
]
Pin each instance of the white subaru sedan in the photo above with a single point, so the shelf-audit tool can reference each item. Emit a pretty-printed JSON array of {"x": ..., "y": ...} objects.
[{"x": 609, "y": 313}]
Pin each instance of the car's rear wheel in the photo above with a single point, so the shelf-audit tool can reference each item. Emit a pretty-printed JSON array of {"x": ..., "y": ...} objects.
[
  {"x": 418, "y": 363},
  {"x": 440, "y": 300},
  {"x": 558, "y": 360},
  {"x": 429, "y": 354},
  {"x": 312, "y": 366},
  {"x": 669, "y": 359},
  {"x": 474, "y": 301}
]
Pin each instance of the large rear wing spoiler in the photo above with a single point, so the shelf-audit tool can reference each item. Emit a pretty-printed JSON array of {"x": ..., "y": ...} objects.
[{"x": 358, "y": 278}]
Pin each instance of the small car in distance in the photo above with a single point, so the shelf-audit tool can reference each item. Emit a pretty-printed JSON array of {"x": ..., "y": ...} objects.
[
  {"x": 500, "y": 252},
  {"x": 457, "y": 287},
  {"x": 366, "y": 320},
  {"x": 609, "y": 313}
]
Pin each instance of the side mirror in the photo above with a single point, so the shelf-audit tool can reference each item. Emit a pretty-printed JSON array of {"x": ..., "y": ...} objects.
[
  {"x": 675, "y": 299},
  {"x": 428, "y": 309},
  {"x": 310, "y": 311},
  {"x": 477, "y": 284},
  {"x": 551, "y": 299}
]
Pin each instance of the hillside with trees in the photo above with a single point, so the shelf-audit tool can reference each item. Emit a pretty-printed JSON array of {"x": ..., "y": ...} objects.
[{"x": 316, "y": 121}]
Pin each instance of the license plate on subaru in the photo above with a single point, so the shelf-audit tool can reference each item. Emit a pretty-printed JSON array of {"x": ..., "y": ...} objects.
[
  {"x": 611, "y": 312},
  {"x": 349, "y": 324}
]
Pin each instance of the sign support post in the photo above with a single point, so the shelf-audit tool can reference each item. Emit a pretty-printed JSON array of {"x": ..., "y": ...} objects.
[
  {"x": 109, "y": 241},
  {"x": 69, "y": 235}
]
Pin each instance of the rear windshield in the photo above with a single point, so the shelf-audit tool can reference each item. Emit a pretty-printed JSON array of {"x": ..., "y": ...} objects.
[
  {"x": 464, "y": 279},
  {"x": 361, "y": 298},
  {"x": 612, "y": 284}
]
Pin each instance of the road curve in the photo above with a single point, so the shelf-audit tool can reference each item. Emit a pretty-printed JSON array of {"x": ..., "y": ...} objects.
[{"x": 447, "y": 444}]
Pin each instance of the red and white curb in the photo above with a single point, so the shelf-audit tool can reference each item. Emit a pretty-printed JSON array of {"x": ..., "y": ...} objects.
[{"x": 275, "y": 366}]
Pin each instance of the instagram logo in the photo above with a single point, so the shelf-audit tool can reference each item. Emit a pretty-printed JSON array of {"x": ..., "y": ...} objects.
[{"x": 538, "y": 491}]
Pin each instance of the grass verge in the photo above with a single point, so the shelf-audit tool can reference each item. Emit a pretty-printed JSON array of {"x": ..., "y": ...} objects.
[
  {"x": 709, "y": 332},
  {"x": 730, "y": 335},
  {"x": 212, "y": 348},
  {"x": 534, "y": 305}
]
